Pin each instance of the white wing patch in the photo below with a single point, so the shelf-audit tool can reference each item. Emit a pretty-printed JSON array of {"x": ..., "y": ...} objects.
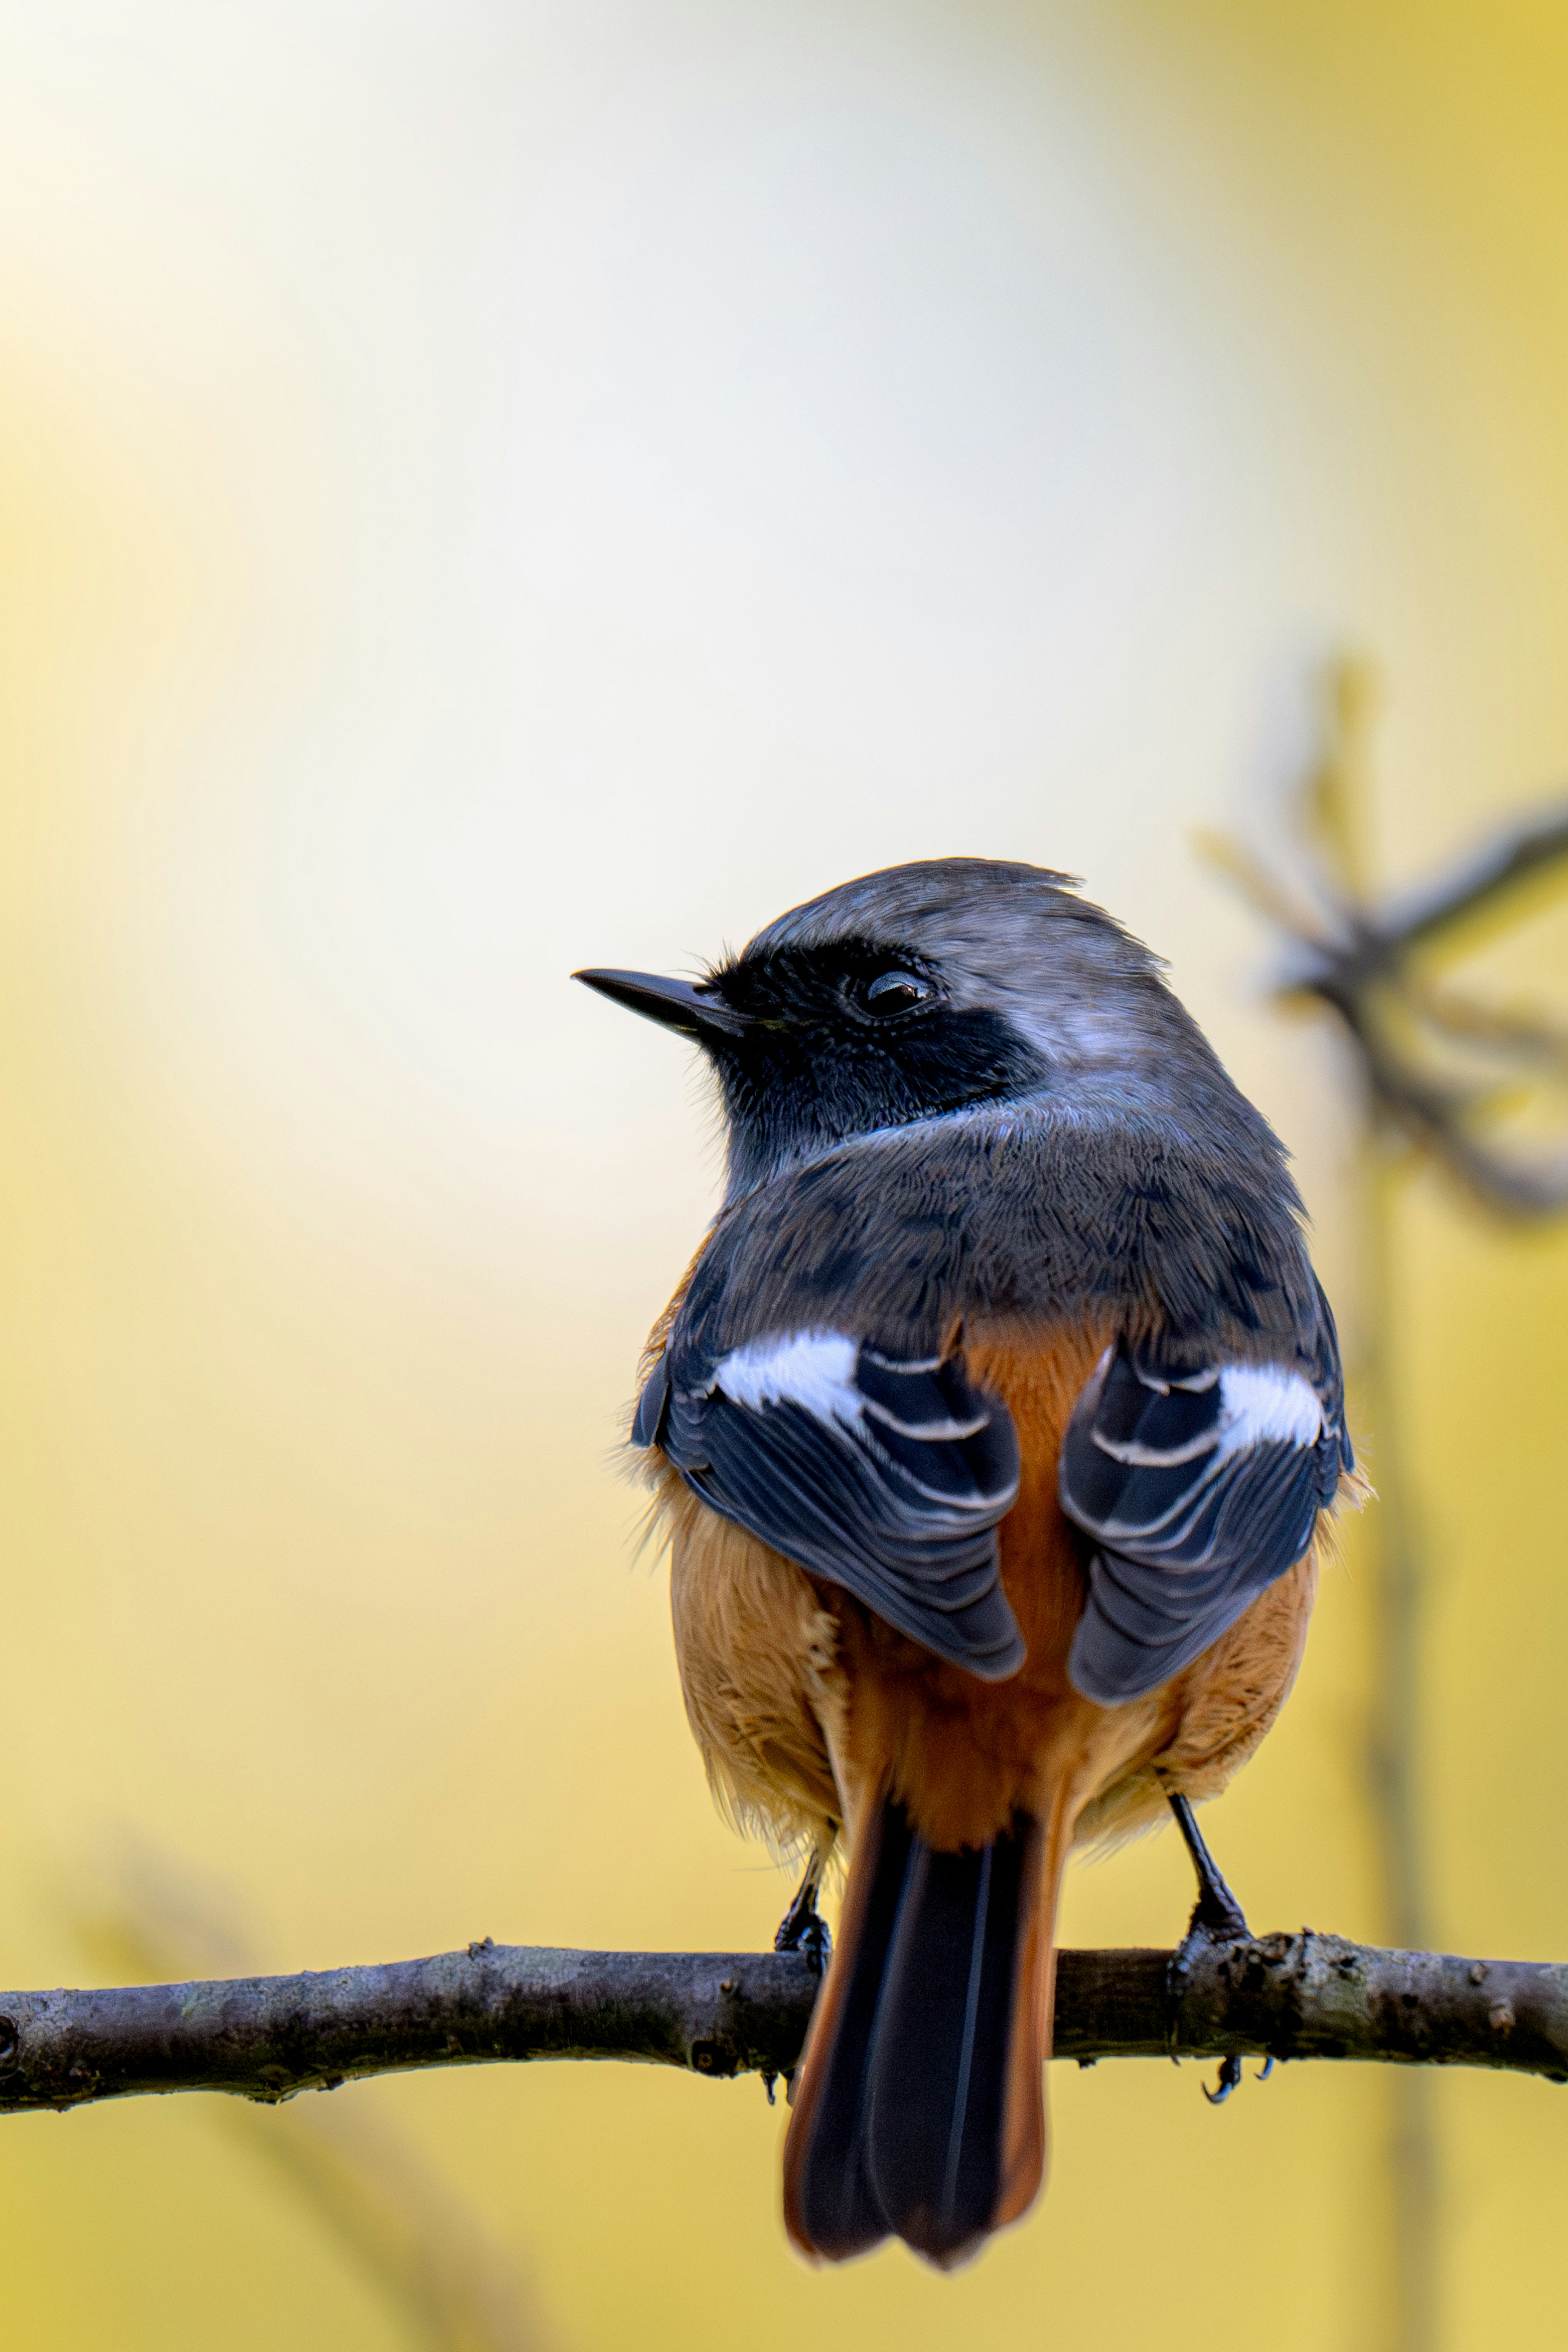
[
  {"x": 815, "y": 1370},
  {"x": 1259, "y": 1402}
]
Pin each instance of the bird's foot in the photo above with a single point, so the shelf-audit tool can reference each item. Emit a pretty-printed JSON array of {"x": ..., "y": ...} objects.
[
  {"x": 1216, "y": 1919},
  {"x": 803, "y": 1928}
]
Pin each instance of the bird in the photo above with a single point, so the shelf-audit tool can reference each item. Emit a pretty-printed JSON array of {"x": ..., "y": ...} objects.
[{"x": 996, "y": 1427}]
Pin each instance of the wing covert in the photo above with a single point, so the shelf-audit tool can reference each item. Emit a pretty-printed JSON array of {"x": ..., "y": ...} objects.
[
  {"x": 1199, "y": 1484},
  {"x": 887, "y": 1475}
]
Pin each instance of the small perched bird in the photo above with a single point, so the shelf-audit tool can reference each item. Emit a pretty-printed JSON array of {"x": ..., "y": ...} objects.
[{"x": 994, "y": 1426}]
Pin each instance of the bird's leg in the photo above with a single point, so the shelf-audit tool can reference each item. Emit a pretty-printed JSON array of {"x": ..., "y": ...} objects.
[
  {"x": 803, "y": 1928},
  {"x": 1217, "y": 1913},
  {"x": 1217, "y": 1918}
]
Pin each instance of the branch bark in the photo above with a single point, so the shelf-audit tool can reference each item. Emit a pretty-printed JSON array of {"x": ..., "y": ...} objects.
[{"x": 725, "y": 2014}]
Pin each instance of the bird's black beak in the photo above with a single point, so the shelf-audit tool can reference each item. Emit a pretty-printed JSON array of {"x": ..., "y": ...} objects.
[{"x": 687, "y": 1006}]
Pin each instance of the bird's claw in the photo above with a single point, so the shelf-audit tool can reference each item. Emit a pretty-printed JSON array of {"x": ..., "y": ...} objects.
[{"x": 1230, "y": 2077}]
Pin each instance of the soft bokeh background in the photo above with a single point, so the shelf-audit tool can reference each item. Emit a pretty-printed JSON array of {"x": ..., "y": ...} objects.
[{"x": 489, "y": 488}]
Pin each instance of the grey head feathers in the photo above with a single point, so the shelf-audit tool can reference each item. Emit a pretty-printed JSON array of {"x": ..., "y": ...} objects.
[{"x": 931, "y": 988}]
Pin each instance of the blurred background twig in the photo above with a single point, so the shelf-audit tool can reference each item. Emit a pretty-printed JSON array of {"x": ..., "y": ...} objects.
[
  {"x": 448, "y": 2284},
  {"x": 1443, "y": 1077}
]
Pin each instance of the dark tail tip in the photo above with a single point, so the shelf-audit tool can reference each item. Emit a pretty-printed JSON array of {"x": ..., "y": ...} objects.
[{"x": 902, "y": 2123}]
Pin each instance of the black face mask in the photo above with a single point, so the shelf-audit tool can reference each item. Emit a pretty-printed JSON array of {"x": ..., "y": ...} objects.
[{"x": 845, "y": 1040}]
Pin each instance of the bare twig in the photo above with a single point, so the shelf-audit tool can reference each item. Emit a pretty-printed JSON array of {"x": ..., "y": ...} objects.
[
  {"x": 725, "y": 2014},
  {"x": 1436, "y": 1068},
  {"x": 1509, "y": 858},
  {"x": 1360, "y": 960}
]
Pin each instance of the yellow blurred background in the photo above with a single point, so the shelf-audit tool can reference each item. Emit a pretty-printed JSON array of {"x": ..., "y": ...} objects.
[{"x": 490, "y": 487}]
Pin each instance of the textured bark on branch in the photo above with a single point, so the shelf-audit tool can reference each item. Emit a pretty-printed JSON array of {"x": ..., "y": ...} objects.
[{"x": 725, "y": 2014}]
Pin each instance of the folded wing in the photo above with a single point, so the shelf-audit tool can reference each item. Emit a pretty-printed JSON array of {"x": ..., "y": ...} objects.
[
  {"x": 1198, "y": 1487},
  {"x": 886, "y": 1476}
]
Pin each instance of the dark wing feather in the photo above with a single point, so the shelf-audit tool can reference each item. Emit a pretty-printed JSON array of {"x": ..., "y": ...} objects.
[
  {"x": 1199, "y": 1485},
  {"x": 886, "y": 1476}
]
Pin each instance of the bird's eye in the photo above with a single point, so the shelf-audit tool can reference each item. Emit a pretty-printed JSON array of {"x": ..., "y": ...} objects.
[{"x": 897, "y": 992}]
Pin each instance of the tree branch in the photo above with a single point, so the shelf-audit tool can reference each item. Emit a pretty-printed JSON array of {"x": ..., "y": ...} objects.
[{"x": 725, "y": 2014}]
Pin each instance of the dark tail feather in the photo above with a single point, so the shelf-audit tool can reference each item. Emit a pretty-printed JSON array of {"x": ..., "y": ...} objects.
[
  {"x": 828, "y": 2203},
  {"x": 920, "y": 2104}
]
